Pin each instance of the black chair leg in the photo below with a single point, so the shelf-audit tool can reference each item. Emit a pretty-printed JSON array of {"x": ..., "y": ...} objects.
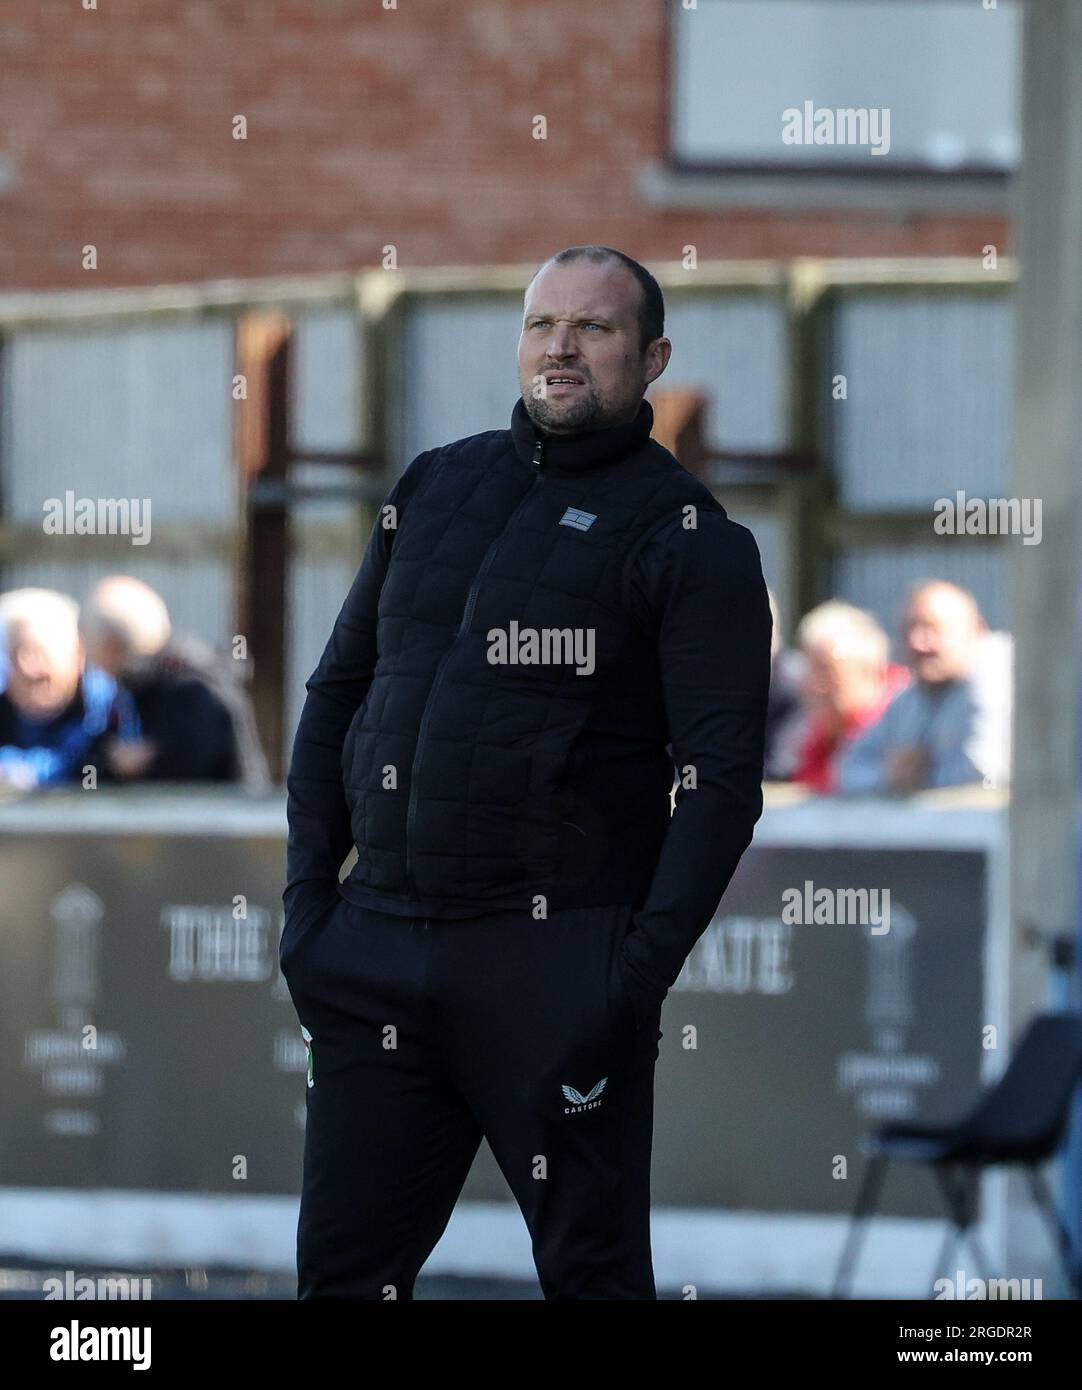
[
  {"x": 956, "y": 1221},
  {"x": 983, "y": 1261},
  {"x": 867, "y": 1197},
  {"x": 972, "y": 1199},
  {"x": 1043, "y": 1198},
  {"x": 962, "y": 1205}
]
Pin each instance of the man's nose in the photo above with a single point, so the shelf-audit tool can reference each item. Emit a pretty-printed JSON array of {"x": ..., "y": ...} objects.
[{"x": 561, "y": 344}]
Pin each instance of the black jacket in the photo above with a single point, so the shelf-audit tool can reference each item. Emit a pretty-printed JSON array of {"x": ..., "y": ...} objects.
[
  {"x": 473, "y": 776},
  {"x": 199, "y": 716}
]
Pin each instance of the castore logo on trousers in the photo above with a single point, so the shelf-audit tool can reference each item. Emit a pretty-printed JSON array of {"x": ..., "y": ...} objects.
[{"x": 583, "y": 1102}]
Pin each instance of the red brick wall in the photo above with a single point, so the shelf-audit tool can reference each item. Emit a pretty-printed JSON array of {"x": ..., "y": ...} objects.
[{"x": 365, "y": 126}]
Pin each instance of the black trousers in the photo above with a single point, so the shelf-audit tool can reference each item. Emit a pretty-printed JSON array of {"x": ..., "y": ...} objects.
[{"x": 426, "y": 1034}]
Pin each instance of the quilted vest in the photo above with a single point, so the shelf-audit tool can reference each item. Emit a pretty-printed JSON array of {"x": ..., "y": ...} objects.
[{"x": 512, "y": 744}]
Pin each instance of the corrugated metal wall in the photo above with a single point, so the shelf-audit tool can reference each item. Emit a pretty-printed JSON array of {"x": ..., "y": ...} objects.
[
  {"x": 929, "y": 394},
  {"x": 928, "y": 412},
  {"x": 139, "y": 411},
  {"x": 735, "y": 347},
  {"x": 458, "y": 373}
]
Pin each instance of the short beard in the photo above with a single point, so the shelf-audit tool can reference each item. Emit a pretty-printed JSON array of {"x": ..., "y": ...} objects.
[{"x": 588, "y": 413}]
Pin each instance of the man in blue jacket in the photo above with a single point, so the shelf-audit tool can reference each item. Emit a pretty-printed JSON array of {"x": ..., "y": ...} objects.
[
  {"x": 547, "y": 619},
  {"x": 62, "y": 720}
]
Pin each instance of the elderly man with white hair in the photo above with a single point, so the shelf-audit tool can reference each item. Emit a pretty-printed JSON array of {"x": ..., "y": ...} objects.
[
  {"x": 58, "y": 715},
  {"x": 848, "y": 682}
]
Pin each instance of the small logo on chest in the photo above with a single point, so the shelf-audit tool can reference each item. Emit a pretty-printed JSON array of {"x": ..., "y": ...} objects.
[{"x": 581, "y": 521}]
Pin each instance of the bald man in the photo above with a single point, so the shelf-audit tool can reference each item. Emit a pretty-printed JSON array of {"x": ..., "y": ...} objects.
[
  {"x": 195, "y": 715},
  {"x": 547, "y": 618},
  {"x": 951, "y": 726}
]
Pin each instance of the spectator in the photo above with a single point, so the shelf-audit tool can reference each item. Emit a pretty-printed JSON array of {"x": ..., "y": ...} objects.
[
  {"x": 57, "y": 713},
  {"x": 785, "y": 718},
  {"x": 197, "y": 721},
  {"x": 848, "y": 683},
  {"x": 951, "y": 725}
]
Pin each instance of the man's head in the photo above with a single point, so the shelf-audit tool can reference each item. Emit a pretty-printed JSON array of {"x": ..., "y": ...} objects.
[
  {"x": 847, "y": 653},
  {"x": 44, "y": 652},
  {"x": 595, "y": 317},
  {"x": 124, "y": 622},
  {"x": 942, "y": 627}
]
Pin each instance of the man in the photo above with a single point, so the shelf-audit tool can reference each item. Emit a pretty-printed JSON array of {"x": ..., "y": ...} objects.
[
  {"x": 58, "y": 714},
  {"x": 951, "y": 725},
  {"x": 541, "y": 612},
  {"x": 197, "y": 721},
  {"x": 848, "y": 683}
]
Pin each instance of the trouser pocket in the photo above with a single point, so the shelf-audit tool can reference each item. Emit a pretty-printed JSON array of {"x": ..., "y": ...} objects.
[
  {"x": 625, "y": 986},
  {"x": 621, "y": 1003},
  {"x": 307, "y": 905}
]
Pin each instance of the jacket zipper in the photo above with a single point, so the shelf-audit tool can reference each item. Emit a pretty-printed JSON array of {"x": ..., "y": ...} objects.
[{"x": 467, "y": 614}]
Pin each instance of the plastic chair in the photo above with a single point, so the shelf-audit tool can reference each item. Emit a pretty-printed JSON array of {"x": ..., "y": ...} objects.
[{"x": 1022, "y": 1118}]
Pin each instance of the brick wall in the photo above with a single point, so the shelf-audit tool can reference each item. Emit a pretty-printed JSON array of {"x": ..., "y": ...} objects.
[{"x": 366, "y": 126}]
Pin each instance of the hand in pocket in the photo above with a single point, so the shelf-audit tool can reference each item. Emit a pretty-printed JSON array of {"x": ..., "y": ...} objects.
[
  {"x": 305, "y": 903},
  {"x": 620, "y": 1002},
  {"x": 643, "y": 1003}
]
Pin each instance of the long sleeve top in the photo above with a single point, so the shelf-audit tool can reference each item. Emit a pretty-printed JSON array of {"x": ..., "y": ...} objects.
[{"x": 702, "y": 594}]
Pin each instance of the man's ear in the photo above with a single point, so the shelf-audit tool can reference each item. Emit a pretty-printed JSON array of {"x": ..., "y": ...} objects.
[{"x": 658, "y": 354}]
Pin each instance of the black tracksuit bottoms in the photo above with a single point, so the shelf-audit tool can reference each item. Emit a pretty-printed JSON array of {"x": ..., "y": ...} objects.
[{"x": 425, "y": 1035}]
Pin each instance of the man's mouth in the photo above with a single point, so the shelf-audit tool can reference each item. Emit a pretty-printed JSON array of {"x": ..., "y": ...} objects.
[{"x": 562, "y": 383}]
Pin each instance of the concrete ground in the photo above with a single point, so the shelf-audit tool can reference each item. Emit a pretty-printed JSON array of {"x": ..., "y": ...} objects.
[{"x": 22, "y": 1280}]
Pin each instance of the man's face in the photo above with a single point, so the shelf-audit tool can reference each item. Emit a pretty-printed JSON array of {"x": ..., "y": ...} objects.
[
  {"x": 581, "y": 322},
  {"x": 838, "y": 683},
  {"x": 43, "y": 671},
  {"x": 941, "y": 631}
]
